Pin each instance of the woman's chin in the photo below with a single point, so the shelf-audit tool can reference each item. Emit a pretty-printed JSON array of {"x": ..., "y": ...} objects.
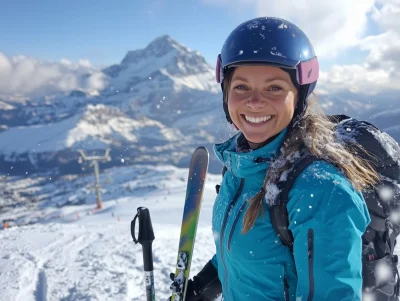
[{"x": 256, "y": 139}]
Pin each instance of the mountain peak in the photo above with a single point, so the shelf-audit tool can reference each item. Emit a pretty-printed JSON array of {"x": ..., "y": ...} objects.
[
  {"x": 165, "y": 44},
  {"x": 157, "y": 48},
  {"x": 163, "y": 53}
]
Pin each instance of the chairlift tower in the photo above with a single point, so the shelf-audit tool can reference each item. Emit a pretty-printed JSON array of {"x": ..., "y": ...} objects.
[{"x": 94, "y": 161}]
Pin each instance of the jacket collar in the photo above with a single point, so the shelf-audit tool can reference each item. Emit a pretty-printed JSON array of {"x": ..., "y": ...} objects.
[{"x": 244, "y": 164}]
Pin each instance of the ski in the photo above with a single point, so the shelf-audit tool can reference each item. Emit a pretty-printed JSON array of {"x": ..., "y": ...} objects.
[{"x": 194, "y": 192}]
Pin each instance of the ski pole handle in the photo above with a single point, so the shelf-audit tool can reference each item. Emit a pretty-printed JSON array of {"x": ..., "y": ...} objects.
[{"x": 145, "y": 238}]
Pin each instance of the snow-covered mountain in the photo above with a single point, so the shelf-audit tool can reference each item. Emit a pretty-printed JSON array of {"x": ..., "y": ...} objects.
[
  {"x": 389, "y": 121},
  {"x": 161, "y": 103},
  {"x": 383, "y": 112},
  {"x": 164, "y": 60}
]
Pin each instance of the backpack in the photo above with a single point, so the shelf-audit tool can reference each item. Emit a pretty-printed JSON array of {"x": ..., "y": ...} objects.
[{"x": 383, "y": 202}]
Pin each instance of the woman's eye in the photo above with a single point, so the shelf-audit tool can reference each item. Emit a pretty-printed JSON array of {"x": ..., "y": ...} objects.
[
  {"x": 275, "y": 88},
  {"x": 240, "y": 87}
]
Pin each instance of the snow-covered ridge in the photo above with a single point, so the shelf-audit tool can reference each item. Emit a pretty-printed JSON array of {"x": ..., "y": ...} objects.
[{"x": 98, "y": 126}]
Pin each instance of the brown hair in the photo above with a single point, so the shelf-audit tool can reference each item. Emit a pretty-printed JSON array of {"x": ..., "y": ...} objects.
[{"x": 315, "y": 132}]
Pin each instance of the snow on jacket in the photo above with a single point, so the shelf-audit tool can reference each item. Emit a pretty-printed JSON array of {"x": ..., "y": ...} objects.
[{"x": 327, "y": 218}]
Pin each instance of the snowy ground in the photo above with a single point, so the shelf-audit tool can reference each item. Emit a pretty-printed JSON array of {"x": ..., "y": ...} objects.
[
  {"x": 63, "y": 250},
  {"x": 84, "y": 255}
]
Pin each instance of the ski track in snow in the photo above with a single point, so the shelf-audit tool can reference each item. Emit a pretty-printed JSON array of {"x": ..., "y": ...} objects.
[
  {"x": 90, "y": 262},
  {"x": 94, "y": 258}
]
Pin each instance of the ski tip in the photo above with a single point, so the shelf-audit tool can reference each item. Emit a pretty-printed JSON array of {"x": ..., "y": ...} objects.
[{"x": 201, "y": 148}]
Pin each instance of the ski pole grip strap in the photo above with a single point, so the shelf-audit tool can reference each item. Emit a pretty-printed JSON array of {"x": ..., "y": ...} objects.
[
  {"x": 146, "y": 236},
  {"x": 133, "y": 223},
  {"x": 146, "y": 233}
]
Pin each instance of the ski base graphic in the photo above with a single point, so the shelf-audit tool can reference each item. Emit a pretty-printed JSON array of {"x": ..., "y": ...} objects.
[{"x": 194, "y": 192}]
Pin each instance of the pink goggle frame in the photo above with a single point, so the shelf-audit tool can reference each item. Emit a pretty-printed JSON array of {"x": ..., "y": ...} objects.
[{"x": 307, "y": 72}]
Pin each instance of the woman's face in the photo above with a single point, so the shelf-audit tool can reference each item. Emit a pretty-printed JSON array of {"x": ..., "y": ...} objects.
[{"x": 261, "y": 101}]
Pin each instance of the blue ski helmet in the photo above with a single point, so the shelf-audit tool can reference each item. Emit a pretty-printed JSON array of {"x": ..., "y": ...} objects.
[{"x": 273, "y": 42}]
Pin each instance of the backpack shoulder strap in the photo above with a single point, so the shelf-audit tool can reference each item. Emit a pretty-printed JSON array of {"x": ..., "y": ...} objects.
[
  {"x": 338, "y": 118},
  {"x": 218, "y": 187},
  {"x": 278, "y": 213},
  {"x": 296, "y": 171}
]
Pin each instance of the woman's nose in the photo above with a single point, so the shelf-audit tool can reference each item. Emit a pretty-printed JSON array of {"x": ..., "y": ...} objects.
[{"x": 256, "y": 101}]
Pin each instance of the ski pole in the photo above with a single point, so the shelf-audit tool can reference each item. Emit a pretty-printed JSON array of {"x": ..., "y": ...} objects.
[{"x": 146, "y": 237}]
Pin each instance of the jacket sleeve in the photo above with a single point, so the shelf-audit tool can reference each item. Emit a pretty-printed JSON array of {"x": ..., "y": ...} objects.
[
  {"x": 327, "y": 217},
  {"x": 214, "y": 261}
]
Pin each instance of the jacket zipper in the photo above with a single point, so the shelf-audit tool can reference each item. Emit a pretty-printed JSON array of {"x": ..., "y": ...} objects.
[
  {"x": 231, "y": 205},
  {"x": 286, "y": 289},
  {"x": 234, "y": 225},
  {"x": 310, "y": 237}
]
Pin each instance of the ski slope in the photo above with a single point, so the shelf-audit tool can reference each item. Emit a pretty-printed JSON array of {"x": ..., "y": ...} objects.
[
  {"x": 75, "y": 253},
  {"x": 85, "y": 255}
]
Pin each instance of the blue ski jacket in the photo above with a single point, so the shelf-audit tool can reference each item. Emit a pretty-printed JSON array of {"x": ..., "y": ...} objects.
[{"x": 327, "y": 217}]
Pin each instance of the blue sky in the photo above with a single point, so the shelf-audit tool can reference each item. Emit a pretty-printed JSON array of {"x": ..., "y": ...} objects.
[
  {"x": 356, "y": 41},
  {"x": 103, "y": 31}
]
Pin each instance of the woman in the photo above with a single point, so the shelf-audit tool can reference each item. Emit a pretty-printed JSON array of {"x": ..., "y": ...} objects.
[{"x": 267, "y": 69}]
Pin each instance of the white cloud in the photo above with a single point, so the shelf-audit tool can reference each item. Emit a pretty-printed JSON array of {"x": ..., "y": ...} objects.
[
  {"x": 333, "y": 27},
  {"x": 383, "y": 50},
  {"x": 21, "y": 75},
  {"x": 388, "y": 15},
  {"x": 380, "y": 72},
  {"x": 357, "y": 79},
  {"x": 330, "y": 25}
]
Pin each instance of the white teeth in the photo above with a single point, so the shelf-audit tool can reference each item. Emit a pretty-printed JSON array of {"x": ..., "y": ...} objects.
[{"x": 257, "y": 119}]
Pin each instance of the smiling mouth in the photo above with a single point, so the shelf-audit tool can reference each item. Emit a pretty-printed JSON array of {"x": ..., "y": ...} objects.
[{"x": 257, "y": 120}]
